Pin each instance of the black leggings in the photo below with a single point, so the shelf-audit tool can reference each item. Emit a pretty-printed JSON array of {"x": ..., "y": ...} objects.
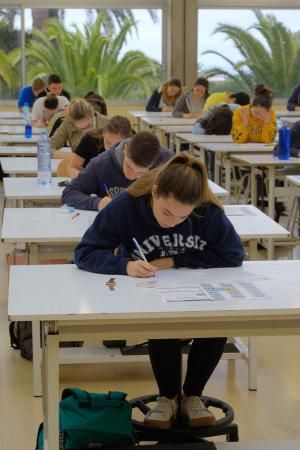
[{"x": 165, "y": 357}]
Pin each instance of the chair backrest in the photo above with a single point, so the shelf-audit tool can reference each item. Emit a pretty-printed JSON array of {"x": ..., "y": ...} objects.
[{"x": 62, "y": 168}]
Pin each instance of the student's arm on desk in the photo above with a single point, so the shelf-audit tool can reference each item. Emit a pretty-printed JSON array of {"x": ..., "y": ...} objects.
[
  {"x": 76, "y": 163},
  {"x": 95, "y": 253},
  {"x": 78, "y": 192}
]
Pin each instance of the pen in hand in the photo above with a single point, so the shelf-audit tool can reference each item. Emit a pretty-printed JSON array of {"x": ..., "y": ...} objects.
[
  {"x": 106, "y": 190},
  {"x": 138, "y": 247}
]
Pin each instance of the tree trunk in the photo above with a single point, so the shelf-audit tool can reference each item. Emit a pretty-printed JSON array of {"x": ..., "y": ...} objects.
[{"x": 39, "y": 16}]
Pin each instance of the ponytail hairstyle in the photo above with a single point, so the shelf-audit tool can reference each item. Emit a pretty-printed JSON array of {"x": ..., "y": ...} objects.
[
  {"x": 51, "y": 101},
  {"x": 167, "y": 99},
  {"x": 263, "y": 96},
  {"x": 184, "y": 177},
  {"x": 79, "y": 109}
]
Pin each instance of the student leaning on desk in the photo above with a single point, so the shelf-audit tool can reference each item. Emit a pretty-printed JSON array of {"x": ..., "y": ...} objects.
[
  {"x": 177, "y": 222},
  {"x": 113, "y": 171},
  {"x": 255, "y": 122}
]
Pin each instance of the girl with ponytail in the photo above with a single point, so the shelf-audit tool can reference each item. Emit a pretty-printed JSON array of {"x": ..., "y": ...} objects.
[{"x": 178, "y": 222}]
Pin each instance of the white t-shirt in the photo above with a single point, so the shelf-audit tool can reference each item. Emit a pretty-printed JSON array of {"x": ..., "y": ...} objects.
[{"x": 38, "y": 112}]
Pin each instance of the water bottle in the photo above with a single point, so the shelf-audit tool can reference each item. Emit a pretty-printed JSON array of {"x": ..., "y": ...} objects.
[
  {"x": 44, "y": 158},
  {"x": 284, "y": 143},
  {"x": 27, "y": 120}
]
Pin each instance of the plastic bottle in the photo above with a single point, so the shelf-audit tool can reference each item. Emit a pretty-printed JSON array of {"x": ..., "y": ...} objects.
[
  {"x": 27, "y": 120},
  {"x": 284, "y": 143},
  {"x": 44, "y": 158}
]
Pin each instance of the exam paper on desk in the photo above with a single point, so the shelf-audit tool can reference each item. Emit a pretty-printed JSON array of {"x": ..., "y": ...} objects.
[{"x": 190, "y": 286}]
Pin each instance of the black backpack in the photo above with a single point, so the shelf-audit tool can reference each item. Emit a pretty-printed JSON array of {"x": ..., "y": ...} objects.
[{"x": 21, "y": 338}]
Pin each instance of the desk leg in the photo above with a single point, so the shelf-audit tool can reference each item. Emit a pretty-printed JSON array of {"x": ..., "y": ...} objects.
[
  {"x": 177, "y": 144},
  {"x": 227, "y": 165},
  {"x": 270, "y": 249},
  {"x": 252, "y": 250},
  {"x": 36, "y": 359},
  {"x": 271, "y": 192},
  {"x": 36, "y": 341},
  {"x": 51, "y": 386},
  {"x": 252, "y": 366},
  {"x": 253, "y": 187}
]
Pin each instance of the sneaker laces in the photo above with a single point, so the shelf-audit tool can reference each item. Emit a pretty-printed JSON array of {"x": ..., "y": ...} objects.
[
  {"x": 194, "y": 404},
  {"x": 165, "y": 406}
]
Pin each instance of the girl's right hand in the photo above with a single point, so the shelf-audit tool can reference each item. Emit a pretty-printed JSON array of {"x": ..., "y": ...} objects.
[{"x": 140, "y": 269}]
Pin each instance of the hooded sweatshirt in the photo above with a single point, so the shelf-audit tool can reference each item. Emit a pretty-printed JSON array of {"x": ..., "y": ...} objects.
[
  {"x": 206, "y": 239},
  {"x": 86, "y": 190}
]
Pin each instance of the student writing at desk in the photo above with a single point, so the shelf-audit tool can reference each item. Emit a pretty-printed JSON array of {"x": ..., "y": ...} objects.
[
  {"x": 178, "y": 222},
  {"x": 116, "y": 168}
]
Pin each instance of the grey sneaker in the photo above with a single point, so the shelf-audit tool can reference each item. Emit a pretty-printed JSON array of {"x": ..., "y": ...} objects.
[
  {"x": 196, "y": 413},
  {"x": 163, "y": 415}
]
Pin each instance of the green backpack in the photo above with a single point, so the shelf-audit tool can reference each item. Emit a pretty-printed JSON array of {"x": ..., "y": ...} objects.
[{"x": 88, "y": 420}]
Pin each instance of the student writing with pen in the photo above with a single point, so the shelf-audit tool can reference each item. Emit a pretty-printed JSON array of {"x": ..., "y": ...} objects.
[
  {"x": 177, "y": 222},
  {"x": 116, "y": 169}
]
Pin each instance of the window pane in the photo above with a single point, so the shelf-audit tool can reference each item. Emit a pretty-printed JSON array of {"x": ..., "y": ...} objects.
[
  {"x": 10, "y": 38},
  {"x": 114, "y": 52},
  {"x": 240, "y": 55}
]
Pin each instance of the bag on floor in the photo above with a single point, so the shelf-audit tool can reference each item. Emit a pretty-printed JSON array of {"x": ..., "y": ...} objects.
[
  {"x": 88, "y": 420},
  {"x": 21, "y": 338}
]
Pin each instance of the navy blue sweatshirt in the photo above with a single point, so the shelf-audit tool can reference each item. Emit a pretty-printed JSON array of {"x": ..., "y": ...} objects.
[
  {"x": 205, "y": 239},
  {"x": 86, "y": 190},
  {"x": 154, "y": 101},
  {"x": 295, "y": 141},
  {"x": 294, "y": 99}
]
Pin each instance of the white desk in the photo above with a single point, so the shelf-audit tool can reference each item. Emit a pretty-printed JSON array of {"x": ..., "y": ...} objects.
[
  {"x": 18, "y": 139},
  {"x": 27, "y": 188},
  {"x": 294, "y": 180},
  {"x": 24, "y": 166},
  {"x": 134, "y": 312},
  {"x": 23, "y": 150},
  {"x": 199, "y": 139},
  {"x": 271, "y": 164},
  {"x": 224, "y": 151},
  {"x": 9, "y": 121},
  {"x": 40, "y": 227},
  {"x": 171, "y": 130},
  {"x": 18, "y": 150},
  {"x": 34, "y": 226},
  {"x": 139, "y": 114},
  {"x": 156, "y": 122},
  {"x": 285, "y": 113},
  {"x": 290, "y": 120},
  {"x": 11, "y": 115},
  {"x": 17, "y": 129}
]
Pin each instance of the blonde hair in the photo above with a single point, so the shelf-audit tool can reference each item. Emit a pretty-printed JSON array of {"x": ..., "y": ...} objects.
[
  {"x": 170, "y": 100},
  {"x": 38, "y": 84},
  {"x": 80, "y": 109},
  {"x": 184, "y": 177}
]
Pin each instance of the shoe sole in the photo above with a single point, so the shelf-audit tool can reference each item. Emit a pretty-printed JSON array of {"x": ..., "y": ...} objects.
[
  {"x": 203, "y": 422},
  {"x": 158, "y": 424}
]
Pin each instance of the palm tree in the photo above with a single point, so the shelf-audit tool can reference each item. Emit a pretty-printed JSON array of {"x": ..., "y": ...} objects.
[
  {"x": 9, "y": 71},
  {"x": 90, "y": 60},
  {"x": 275, "y": 62}
]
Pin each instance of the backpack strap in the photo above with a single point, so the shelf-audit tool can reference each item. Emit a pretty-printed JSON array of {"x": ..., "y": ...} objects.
[
  {"x": 77, "y": 393},
  {"x": 116, "y": 395}
]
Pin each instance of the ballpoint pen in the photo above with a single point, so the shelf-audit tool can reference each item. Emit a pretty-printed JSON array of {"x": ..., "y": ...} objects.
[{"x": 139, "y": 249}]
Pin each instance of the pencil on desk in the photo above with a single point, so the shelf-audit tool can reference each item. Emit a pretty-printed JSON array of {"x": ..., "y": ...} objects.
[{"x": 75, "y": 215}]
